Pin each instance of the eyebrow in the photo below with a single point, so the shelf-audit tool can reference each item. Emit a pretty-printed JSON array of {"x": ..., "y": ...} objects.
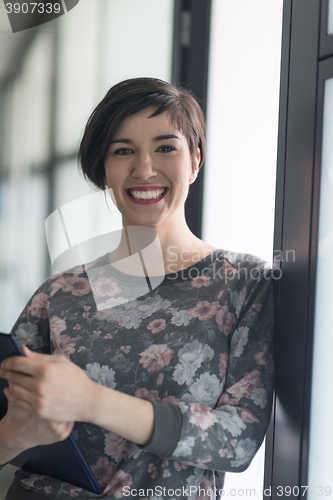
[{"x": 155, "y": 139}]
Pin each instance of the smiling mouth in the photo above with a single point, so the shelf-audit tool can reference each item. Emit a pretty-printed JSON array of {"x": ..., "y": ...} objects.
[{"x": 151, "y": 194}]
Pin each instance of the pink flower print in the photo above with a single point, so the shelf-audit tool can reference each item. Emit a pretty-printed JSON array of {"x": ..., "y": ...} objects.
[
  {"x": 101, "y": 314},
  {"x": 203, "y": 436},
  {"x": 179, "y": 466},
  {"x": 224, "y": 320},
  {"x": 61, "y": 282},
  {"x": 74, "y": 492},
  {"x": 152, "y": 469},
  {"x": 200, "y": 281},
  {"x": 222, "y": 452},
  {"x": 248, "y": 416},
  {"x": 246, "y": 385},
  {"x": 80, "y": 286},
  {"x": 166, "y": 473},
  {"x": 202, "y": 416},
  {"x": 77, "y": 327},
  {"x": 225, "y": 400},
  {"x": 223, "y": 364},
  {"x": 82, "y": 348},
  {"x": 159, "y": 379},
  {"x": 206, "y": 490},
  {"x": 118, "y": 320},
  {"x": 145, "y": 394},
  {"x": 257, "y": 307},
  {"x": 57, "y": 325},
  {"x": 125, "y": 348},
  {"x": 233, "y": 442},
  {"x": 165, "y": 462},
  {"x": 157, "y": 325},
  {"x": 228, "y": 268},
  {"x": 108, "y": 336},
  {"x": 86, "y": 308},
  {"x": 116, "y": 447},
  {"x": 219, "y": 295},
  {"x": 202, "y": 464},
  {"x": 47, "y": 489},
  {"x": 265, "y": 358},
  {"x": 63, "y": 344},
  {"x": 170, "y": 400},
  {"x": 38, "y": 306},
  {"x": 204, "y": 310},
  {"x": 117, "y": 484},
  {"x": 156, "y": 357},
  {"x": 105, "y": 286}
]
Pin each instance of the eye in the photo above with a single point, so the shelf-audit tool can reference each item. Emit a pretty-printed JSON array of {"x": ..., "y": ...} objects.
[
  {"x": 166, "y": 149},
  {"x": 122, "y": 151}
]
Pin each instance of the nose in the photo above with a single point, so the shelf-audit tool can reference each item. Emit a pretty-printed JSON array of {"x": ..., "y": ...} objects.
[{"x": 143, "y": 167}]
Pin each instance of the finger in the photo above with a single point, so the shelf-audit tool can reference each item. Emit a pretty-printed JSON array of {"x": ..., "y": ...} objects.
[
  {"x": 16, "y": 403},
  {"x": 27, "y": 352},
  {"x": 22, "y": 383},
  {"x": 21, "y": 380},
  {"x": 22, "y": 364},
  {"x": 21, "y": 393}
]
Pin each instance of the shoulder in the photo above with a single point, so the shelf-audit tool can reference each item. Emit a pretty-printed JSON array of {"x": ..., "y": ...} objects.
[
  {"x": 74, "y": 279},
  {"x": 245, "y": 260}
]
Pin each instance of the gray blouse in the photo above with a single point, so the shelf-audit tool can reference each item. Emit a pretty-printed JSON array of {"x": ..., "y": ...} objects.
[{"x": 198, "y": 346}]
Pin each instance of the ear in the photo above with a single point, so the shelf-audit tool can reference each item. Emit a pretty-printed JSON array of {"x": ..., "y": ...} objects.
[{"x": 195, "y": 166}]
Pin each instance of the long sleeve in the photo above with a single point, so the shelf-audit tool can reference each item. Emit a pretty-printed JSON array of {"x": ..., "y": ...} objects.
[
  {"x": 32, "y": 327},
  {"x": 226, "y": 437}
]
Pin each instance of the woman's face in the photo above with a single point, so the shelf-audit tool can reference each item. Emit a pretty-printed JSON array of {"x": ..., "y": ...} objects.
[{"x": 149, "y": 168}]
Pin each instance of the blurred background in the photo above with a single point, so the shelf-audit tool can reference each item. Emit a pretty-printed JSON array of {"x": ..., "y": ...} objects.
[{"x": 52, "y": 77}]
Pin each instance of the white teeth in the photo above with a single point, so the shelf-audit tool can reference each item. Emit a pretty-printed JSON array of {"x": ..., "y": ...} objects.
[{"x": 147, "y": 195}]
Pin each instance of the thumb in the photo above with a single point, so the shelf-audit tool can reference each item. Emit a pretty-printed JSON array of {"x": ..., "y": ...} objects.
[{"x": 28, "y": 353}]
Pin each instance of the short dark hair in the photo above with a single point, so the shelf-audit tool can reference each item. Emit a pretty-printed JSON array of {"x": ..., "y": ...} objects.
[{"x": 129, "y": 97}]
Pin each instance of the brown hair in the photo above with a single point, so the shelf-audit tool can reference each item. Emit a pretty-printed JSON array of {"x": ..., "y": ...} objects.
[{"x": 129, "y": 97}]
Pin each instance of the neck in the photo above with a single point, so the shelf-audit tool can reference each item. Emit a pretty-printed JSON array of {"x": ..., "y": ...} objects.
[{"x": 168, "y": 249}]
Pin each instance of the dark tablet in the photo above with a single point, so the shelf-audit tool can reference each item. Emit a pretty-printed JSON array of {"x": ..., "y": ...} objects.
[{"x": 62, "y": 460}]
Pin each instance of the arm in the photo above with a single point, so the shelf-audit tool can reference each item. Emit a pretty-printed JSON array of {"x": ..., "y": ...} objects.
[{"x": 226, "y": 438}]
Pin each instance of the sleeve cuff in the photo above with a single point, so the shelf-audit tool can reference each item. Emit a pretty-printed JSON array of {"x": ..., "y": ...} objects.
[{"x": 167, "y": 429}]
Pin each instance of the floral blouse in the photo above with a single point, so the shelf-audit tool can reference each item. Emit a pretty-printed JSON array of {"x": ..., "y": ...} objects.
[{"x": 198, "y": 346}]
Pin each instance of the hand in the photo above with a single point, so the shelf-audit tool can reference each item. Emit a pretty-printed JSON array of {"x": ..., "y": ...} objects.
[
  {"x": 20, "y": 430},
  {"x": 50, "y": 387}
]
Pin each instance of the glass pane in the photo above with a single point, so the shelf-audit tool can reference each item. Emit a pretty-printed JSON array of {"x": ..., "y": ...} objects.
[
  {"x": 22, "y": 244},
  {"x": 128, "y": 50},
  {"x": 242, "y": 124},
  {"x": 321, "y": 429},
  {"x": 240, "y": 169},
  {"x": 330, "y": 18},
  {"x": 37, "y": 89},
  {"x": 76, "y": 73}
]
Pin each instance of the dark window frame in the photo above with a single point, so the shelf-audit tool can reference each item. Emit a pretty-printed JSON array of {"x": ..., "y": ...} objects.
[
  {"x": 296, "y": 227},
  {"x": 190, "y": 69}
]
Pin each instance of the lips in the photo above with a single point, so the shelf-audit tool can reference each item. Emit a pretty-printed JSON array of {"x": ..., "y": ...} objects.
[{"x": 137, "y": 194}]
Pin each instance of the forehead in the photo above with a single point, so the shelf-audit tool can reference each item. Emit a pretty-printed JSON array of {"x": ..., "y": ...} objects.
[{"x": 143, "y": 124}]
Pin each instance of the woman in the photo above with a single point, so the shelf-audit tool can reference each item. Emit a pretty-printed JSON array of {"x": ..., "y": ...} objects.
[{"x": 169, "y": 379}]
